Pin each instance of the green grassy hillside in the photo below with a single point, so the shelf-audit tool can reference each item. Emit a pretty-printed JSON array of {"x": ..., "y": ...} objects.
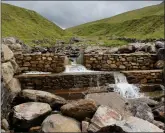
[
  {"x": 28, "y": 25},
  {"x": 143, "y": 23}
]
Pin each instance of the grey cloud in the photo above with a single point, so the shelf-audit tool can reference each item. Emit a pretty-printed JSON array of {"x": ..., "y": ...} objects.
[{"x": 71, "y": 13}]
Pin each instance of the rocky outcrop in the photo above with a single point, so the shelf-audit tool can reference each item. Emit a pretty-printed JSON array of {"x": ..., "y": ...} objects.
[
  {"x": 79, "y": 109},
  {"x": 111, "y": 99},
  {"x": 42, "y": 96},
  {"x": 60, "y": 123},
  {"x": 131, "y": 124},
  {"x": 141, "y": 110},
  {"x": 29, "y": 114},
  {"x": 11, "y": 86},
  {"x": 16, "y": 45},
  {"x": 103, "y": 117}
]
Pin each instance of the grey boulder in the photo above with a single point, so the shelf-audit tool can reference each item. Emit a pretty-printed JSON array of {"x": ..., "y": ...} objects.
[
  {"x": 30, "y": 114},
  {"x": 60, "y": 123},
  {"x": 79, "y": 109},
  {"x": 42, "y": 96}
]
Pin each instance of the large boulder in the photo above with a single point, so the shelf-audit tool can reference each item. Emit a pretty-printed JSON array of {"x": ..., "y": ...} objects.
[
  {"x": 161, "y": 54},
  {"x": 16, "y": 48},
  {"x": 6, "y": 100},
  {"x": 10, "y": 40},
  {"x": 79, "y": 109},
  {"x": 39, "y": 49},
  {"x": 111, "y": 99},
  {"x": 7, "y": 72},
  {"x": 159, "y": 112},
  {"x": 30, "y": 114},
  {"x": 42, "y": 96},
  {"x": 159, "y": 124},
  {"x": 25, "y": 48},
  {"x": 159, "y": 64},
  {"x": 131, "y": 124},
  {"x": 15, "y": 66},
  {"x": 14, "y": 86},
  {"x": 75, "y": 39},
  {"x": 126, "y": 49},
  {"x": 141, "y": 110},
  {"x": 103, "y": 117},
  {"x": 7, "y": 53},
  {"x": 159, "y": 44},
  {"x": 146, "y": 100},
  {"x": 60, "y": 123}
]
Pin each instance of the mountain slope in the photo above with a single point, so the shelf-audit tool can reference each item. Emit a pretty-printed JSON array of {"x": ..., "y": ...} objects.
[
  {"x": 27, "y": 24},
  {"x": 147, "y": 22}
]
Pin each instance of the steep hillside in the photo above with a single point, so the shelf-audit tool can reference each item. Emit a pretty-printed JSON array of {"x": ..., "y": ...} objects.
[
  {"x": 28, "y": 25},
  {"x": 143, "y": 23}
]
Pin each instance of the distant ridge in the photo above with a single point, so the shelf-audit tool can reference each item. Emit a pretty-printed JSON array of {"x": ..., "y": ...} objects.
[
  {"x": 27, "y": 25},
  {"x": 147, "y": 22}
]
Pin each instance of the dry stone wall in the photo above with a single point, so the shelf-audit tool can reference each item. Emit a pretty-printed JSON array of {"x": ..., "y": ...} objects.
[
  {"x": 65, "y": 81},
  {"x": 144, "y": 76},
  {"x": 115, "y": 62},
  {"x": 41, "y": 62}
]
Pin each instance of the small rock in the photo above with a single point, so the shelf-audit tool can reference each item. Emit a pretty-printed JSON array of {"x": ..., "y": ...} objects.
[
  {"x": 79, "y": 109},
  {"x": 5, "y": 124},
  {"x": 60, "y": 123},
  {"x": 3, "y": 131},
  {"x": 35, "y": 129},
  {"x": 30, "y": 114},
  {"x": 160, "y": 64},
  {"x": 84, "y": 125},
  {"x": 42, "y": 96},
  {"x": 104, "y": 116}
]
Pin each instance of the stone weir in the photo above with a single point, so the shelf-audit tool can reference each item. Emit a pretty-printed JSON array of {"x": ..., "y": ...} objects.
[{"x": 65, "y": 81}]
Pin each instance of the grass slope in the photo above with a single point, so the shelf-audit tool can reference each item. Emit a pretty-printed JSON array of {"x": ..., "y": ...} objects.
[
  {"x": 147, "y": 22},
  {"x": 27, "y": 25}
]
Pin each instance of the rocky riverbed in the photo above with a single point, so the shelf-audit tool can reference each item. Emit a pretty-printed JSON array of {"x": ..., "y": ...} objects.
[{"x": 32, "y": 110}]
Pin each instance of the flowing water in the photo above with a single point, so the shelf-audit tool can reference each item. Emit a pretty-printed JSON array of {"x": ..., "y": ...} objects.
[
  {"x": 124, "y": 88},
  {"x": 74, "y": 67}
]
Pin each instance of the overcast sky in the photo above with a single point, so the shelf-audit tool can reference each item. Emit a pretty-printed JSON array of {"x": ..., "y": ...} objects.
[{"x": 71, "y": 13}]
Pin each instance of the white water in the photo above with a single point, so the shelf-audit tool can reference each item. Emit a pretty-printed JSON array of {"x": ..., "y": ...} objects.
[
  {"x": 36, "y": 72},
  {"x": 124, "y": 88},
  {"x": 74, "y": 67}
]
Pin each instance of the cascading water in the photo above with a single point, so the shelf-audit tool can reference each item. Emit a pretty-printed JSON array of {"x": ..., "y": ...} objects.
[
  {"x": 74, "y": 67},
  {"x": 124, "y": 88}
]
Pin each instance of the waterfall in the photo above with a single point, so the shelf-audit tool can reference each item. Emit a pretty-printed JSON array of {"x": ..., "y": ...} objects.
[
  {"x": 124, "y": 88},
  {"x": 74, "y": 67}
]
